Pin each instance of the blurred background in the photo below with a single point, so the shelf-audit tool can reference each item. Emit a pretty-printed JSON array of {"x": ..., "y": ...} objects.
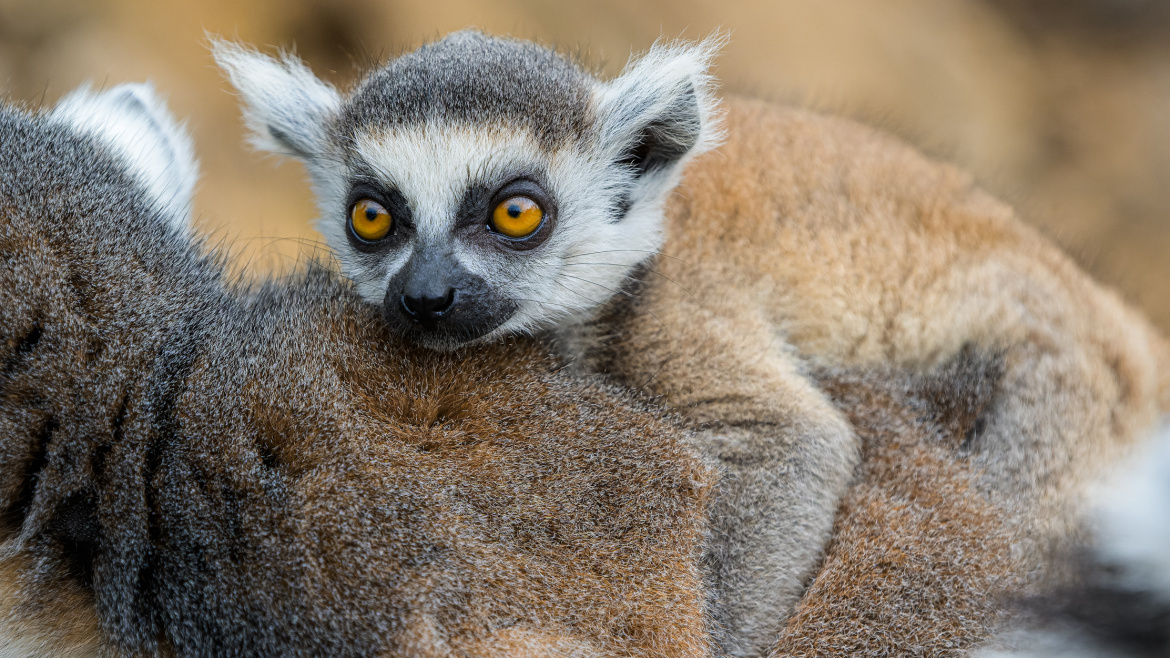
[{"x": 1062, "y": 107}]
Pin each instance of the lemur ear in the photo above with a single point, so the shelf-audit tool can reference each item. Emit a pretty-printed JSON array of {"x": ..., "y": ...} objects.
[
  {"x": 154, "y": 147},
  {"x": 662, "y": 107},
  {"x": 285, "y": 105}
]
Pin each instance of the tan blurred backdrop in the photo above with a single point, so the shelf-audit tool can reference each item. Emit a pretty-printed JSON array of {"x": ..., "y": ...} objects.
[{"x": 1060, "y": 106}]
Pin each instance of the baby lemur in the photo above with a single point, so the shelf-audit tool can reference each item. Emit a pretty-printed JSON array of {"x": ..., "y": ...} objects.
[{"x": 480, "y": 187}]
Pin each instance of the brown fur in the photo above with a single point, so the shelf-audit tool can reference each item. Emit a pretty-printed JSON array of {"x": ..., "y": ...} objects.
[
  {"x": 921, "y": 559},
  {"x": 810, "y": 241},
  {"x": 271, "y": 469},
  {"x": 188, "y": 468},
  {"x": 804, "y": 241},
  {"x": 305, "y": 407},
  {"x": 858, "y": 251}
]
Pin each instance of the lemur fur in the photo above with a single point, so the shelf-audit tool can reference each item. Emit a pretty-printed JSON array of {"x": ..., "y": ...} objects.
[{"x": 713, "y": 278}]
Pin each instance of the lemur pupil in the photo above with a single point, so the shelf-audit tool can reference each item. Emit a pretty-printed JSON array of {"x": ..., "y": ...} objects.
[
  {"x": 514, "y": 211},
  {"x": 371, "y": 214}
]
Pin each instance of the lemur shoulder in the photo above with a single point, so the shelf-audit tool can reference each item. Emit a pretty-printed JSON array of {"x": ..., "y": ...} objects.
[{"x": 480, "y": 187}]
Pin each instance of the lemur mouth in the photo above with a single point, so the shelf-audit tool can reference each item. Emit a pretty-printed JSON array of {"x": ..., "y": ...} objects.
[
  {"x": 437, "y": 303},
  {"x": 445, "y": 323}
]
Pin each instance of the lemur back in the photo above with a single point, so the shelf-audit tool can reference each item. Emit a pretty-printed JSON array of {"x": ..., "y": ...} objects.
[{"x": 465, "y": 214}]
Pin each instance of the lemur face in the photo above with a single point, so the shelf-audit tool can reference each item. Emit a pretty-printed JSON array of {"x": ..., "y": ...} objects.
[
  {"x": 479, "y": 230},
  {"x": 481, "y": 187}
]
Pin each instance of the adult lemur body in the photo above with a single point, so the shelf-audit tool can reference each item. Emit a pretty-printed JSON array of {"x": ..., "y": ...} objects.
[
  {"x": 193, "y": 467},
  {"x": 480, "y": 187}
]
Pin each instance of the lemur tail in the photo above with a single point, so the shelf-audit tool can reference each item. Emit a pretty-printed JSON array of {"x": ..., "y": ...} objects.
[
  {"x": 1121, "y": 604},
  {"x": 133, "y": 121},
  {"x": 1162, "y": 349}
]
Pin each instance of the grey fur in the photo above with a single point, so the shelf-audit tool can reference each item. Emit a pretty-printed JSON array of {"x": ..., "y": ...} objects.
[
  {"x": 778, "y": 492},
  {"x": 784, "y": 455},
  {"x": 747, "y": 299},
  {"x": 1109, "y": 597},
  {"x": 468, "y": 78},
  {"x": 202, "y": 470}
]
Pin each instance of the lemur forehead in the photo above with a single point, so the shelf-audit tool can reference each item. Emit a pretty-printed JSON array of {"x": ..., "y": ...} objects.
[
  {"x": 472, "y": 78},
  {"x": 436, "y": 165}
]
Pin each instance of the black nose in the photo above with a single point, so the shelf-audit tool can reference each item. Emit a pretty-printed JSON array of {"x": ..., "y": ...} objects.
[{"x": 425, "y": 308}]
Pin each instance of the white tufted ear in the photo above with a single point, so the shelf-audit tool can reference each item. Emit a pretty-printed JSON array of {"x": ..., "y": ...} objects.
[
  {"x": 662, "y": 108},
  {"x": 285, "y": 105},
  {"x": 132, "y": 120}
]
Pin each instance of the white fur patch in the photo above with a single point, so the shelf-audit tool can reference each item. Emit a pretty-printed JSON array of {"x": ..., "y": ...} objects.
[
  {"x": 1131, "y": 531},
  {"x": 432, "y": 166},
  {"x": 650, "y": 83},
  {"x": 156, "y": 149},
  {"x": 285, "y": 106},
  {"x": 1133, "y": 519}
]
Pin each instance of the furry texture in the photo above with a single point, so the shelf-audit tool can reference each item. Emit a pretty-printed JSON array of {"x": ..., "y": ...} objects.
[
  {"x": 1111, "y": 596},
  {"x": 156, "y": 149},
  {"x": 921, "y": 556},
  {"x": 439, "y": 127},
  {"x": 803, "y": 241},
  {"x": 464, "y": 116},
  {"x": 807, "y": 241},
  {"x": 191, "y": 469},
  {"x": 286, "y": 105},
  {"x": 471, "y": 78}
]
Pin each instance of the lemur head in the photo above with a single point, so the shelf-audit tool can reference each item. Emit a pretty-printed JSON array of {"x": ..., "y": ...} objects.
[{"x": 483, "y": 186}]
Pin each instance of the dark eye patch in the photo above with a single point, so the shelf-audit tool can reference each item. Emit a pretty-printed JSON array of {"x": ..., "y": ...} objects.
[
  {"x": 390, "y": 199},
  {"x": 480, "y": 200},
  {"x": 475, "y": 206}
]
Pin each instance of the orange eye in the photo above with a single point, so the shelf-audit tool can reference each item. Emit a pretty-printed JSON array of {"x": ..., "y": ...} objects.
[
  {"x": 517, "y": 217},
  {"x": 370, "y": 221}
]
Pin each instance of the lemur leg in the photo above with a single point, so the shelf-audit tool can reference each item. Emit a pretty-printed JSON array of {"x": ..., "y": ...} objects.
[
  {"x": 786, "y": 455},
  {"x": 781, "y": 479}
]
